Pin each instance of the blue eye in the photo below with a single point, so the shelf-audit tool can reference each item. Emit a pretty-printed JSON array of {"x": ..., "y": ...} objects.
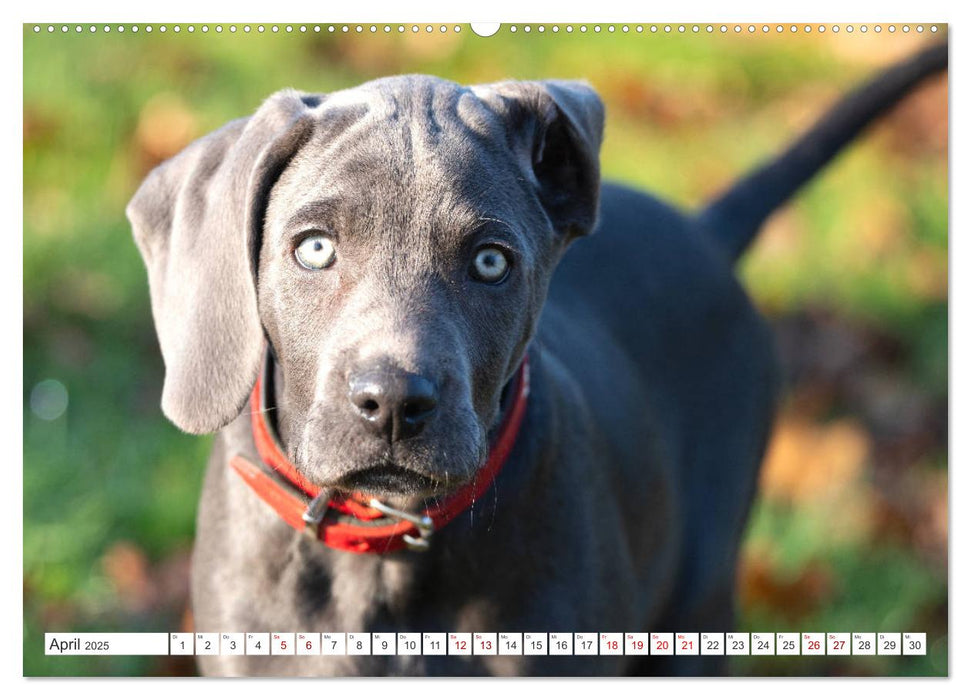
[
  {"x": 490, "y": 265},
  {"x": 316, "y": 252}
]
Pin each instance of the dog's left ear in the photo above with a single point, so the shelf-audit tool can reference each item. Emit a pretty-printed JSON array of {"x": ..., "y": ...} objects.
[{"x": 559, "y": 125}]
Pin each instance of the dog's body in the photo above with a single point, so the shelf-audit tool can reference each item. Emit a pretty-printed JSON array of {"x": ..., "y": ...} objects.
[
  {"x": 623, "y": 502},
  {"x": 610, "y": 515}
]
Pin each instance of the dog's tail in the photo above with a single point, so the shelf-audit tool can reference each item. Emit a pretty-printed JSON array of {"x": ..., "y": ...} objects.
[{"x": 735, "y": 216}]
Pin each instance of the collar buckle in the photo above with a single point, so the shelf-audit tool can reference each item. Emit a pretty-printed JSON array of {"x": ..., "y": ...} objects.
[{"x": 425, "y": 525}]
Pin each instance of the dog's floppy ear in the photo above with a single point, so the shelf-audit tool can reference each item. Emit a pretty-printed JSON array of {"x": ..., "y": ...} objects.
[
  {"x": 560, "y": 125},
  {"x": 197, "y": 220}
]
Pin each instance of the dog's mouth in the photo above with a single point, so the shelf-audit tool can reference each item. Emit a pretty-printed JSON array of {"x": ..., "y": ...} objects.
[{"x": 390, "y": 480}]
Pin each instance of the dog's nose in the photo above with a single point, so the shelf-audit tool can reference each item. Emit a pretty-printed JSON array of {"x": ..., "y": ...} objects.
[{"x": 393, "y": 403}]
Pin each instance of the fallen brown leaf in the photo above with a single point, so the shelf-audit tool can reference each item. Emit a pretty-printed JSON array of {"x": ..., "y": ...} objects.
[
  {"x": 126, "y": 566},
  {"x": 789, "y": 597},
  {"x": 806, "y": 461}
]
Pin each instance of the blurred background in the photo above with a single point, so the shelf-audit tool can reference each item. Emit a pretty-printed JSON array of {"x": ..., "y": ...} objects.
[{"x": 849, "y": 532}]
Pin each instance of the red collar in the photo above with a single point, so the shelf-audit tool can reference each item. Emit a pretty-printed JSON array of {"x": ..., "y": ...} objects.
[{"x": 355, "y": 522}]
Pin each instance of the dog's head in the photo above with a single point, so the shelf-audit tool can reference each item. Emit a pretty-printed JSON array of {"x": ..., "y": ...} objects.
[{"x": 393, "y": 243}]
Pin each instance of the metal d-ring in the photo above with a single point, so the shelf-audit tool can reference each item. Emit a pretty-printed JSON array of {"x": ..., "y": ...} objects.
[
  {"x": 314, "y": 515},
  {"x": 426, "y": 528}
]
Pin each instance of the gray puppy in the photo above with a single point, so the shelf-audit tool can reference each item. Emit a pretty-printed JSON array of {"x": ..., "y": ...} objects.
[{"x": 386, "y": 255}]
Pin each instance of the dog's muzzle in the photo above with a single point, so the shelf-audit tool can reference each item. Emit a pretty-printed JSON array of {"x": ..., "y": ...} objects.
[{"x": 356, "y": 522}]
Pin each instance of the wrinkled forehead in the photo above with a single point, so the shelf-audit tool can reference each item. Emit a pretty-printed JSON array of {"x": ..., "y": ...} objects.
[
  {"x": 422, "y": 109},
  {"x": 403, "y": 152}
]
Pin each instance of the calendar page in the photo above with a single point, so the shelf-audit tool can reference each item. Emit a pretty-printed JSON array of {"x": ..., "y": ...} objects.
[{"x": 513, "y": 349}]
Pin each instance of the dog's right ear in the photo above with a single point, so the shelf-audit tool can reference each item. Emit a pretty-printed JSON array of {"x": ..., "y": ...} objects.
[{"x": 197, "y": 220}]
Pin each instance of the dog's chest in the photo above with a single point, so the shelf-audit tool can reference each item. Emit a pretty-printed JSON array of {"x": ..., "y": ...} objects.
[{"x": 310, "y": 592}]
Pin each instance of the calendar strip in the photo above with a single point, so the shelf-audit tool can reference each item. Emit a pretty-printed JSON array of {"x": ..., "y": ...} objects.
[{"x": 488, "y": 644}]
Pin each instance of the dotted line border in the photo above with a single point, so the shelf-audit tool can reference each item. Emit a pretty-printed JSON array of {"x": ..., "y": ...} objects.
[
  {"x": 510, "y": 28},
  {"x": 244, "y": 28}
]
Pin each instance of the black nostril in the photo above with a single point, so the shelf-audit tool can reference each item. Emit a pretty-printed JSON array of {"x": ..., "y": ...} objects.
[
  {"x": 368, "y": 396},
  {"x": 418, "y": 402},
  {"x": 420, "y": 398},
  {"x": 420, "y": 408}
]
